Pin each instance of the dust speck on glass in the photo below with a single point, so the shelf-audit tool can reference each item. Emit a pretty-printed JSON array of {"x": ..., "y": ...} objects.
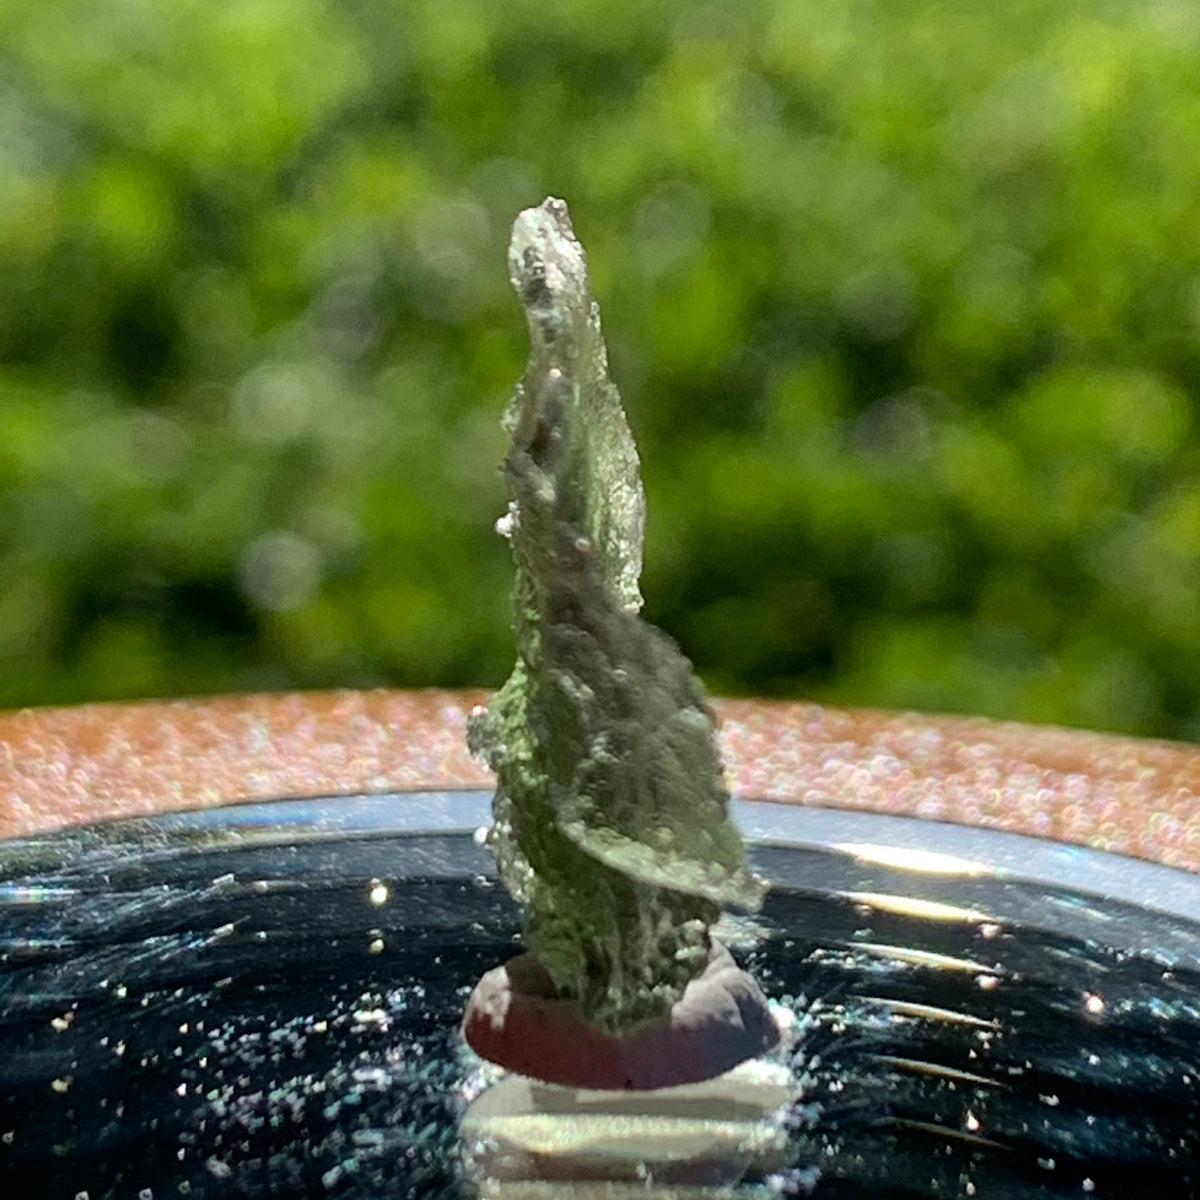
[{"x": 611, "y": 823}]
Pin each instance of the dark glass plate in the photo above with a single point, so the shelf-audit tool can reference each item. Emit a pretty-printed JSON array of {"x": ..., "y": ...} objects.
[{"x": 264, "y": 1001}]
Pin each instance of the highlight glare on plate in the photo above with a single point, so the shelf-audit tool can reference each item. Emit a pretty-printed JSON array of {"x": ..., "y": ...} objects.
[
  {"x": 915, "y": 906},
  {"x": 908, "y": 858}
]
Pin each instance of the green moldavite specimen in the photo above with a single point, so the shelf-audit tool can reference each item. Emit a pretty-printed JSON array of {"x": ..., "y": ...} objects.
[{"x": 611, "y": 823}]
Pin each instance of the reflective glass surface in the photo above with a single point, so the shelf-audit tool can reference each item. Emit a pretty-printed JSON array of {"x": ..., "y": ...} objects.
[{"x": 264, "y": 1000}]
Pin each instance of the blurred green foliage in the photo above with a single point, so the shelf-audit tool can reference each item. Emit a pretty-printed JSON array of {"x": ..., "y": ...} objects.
[{"x": 903, "y": 297}]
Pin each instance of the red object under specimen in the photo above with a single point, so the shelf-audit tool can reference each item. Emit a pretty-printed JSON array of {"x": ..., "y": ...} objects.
[{"x": 515, "y": 1020}]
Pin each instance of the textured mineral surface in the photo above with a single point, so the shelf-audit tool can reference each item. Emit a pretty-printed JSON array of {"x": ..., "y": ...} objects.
[{"x": 611, "y": 822}]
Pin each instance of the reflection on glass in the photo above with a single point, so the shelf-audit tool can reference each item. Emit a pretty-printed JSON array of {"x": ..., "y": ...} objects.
[{"x": 266, "y": 1001}]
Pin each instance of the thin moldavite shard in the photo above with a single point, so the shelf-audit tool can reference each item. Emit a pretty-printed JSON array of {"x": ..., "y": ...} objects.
[{"x": 611, "y": 821}]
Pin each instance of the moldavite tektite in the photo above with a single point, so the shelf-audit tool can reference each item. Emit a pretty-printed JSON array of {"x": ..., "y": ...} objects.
[{"x": 610, "y": 811}]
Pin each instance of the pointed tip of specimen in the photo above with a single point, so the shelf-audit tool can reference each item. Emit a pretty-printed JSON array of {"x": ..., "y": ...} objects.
[{"x": 548, "y": 267}]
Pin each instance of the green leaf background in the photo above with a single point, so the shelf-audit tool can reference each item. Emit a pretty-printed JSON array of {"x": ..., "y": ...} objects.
[{"x": 903, "y": 298}]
